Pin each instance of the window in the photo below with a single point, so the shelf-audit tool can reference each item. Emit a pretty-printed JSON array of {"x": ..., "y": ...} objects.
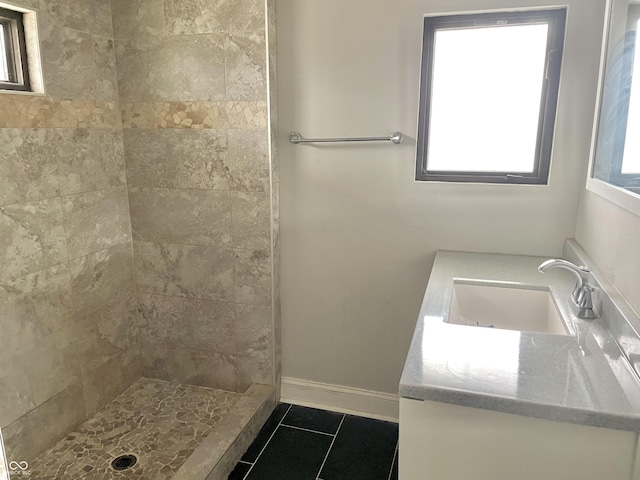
[
  {"x": 14, "y": 74},
  {"x": 630, "y": 164},
  {"x": 488, "y": 96},
  {"x": 617, "y": 159}
]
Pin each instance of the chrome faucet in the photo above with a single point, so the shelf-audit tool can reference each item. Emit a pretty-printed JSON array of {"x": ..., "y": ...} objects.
[{"x": 581, "y": 295}]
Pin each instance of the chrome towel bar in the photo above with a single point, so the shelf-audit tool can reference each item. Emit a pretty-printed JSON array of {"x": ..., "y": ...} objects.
[{"x": 395, "y": 137}]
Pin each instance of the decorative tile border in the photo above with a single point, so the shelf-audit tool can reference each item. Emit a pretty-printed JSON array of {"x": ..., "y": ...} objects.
[
  {"x": 26, "y": 111},
  {"x": 195, "y": 115},
  {"x": 23, "y": 111}
]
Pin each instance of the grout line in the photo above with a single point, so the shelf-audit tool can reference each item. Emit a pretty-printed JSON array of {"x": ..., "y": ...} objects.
[
  {"x": 330, "y": 447},
  {"x": 266, "y": 444},
  {"x": 310, "y": 431},
  {"x": 246, "y": 463},
  {"x": 393, "y": 461}
]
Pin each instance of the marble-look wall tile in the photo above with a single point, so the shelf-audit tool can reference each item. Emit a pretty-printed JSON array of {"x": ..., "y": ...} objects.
[
  {"x": 32, "y": 238},
  {"x": 275, "y": 193},
  {"x": 248, "y": 160},
  {"x": 188, "y": 17},
  {"x": 96, "y": 221},
  {"x": 101, "y": 280},
  {"x": 92, "y": 16},
  {"x": 122, "y": 372},
  {"x": 106, "y": 334},
  {"x": 68, "y": 62},
  {"x": 252, "y": 277},
  {"x": 177, "y": 158},
  {"x": 90, "y": 159},
  {"x": 36, "y": 431},
  {"x": 28, "y": 170},
  {"x": 192, "y": 366},
  {"x": 171, "y": 68},
  {"x": 277, "y": 307},
  {"x": 253, "y": 370},
  {"x": 34, "y": 306},
  {"x": 44, "y": 163},
  {"x": 53, "y": 364},
  {"x": 199, "y": 181},
  {"x": 251, "y": 220},
  {"x": 135, "y": 18},
  {"x": 253, "y": 330},
  {"x": 16, "y": 396},
  {"x": 185, "y": 270},
  {"x": 187, "y": 323},
  {"x": 63, "y": 195},
  {"x": 245, "y": 66},
  {"x": 181, "y": 216},
  {"x": 106, "y": 73}
]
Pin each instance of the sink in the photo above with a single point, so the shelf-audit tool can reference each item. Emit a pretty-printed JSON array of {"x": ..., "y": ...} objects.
[{"x": 506, "y": 308}]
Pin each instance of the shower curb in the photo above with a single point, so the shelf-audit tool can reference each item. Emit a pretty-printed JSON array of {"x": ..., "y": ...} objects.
[{"x": 217, "y": 455}]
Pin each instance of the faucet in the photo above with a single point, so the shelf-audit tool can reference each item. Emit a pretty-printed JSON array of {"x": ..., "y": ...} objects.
[{"x": 581, "y": 295}]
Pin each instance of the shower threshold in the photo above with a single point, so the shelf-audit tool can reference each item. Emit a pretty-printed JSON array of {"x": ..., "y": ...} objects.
[{"x": 158, "y": 430}]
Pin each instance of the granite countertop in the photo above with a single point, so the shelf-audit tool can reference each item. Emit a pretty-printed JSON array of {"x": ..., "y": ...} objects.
[{"x": 583, "y": 378}]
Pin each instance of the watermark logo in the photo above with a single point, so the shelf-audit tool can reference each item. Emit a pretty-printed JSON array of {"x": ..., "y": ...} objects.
[{"x": 18, "y": 468}]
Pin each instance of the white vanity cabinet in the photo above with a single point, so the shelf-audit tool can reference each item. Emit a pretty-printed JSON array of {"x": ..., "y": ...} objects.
[
  {"x": 440, "y": 441},
  {"x": 483, "y": 397}
]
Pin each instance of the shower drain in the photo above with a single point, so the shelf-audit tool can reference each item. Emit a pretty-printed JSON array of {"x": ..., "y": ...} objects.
[{"x": 124, "y": 462}]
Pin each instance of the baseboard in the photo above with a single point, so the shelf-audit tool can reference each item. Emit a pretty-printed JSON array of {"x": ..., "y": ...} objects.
[{"x": 355, "y": 401}]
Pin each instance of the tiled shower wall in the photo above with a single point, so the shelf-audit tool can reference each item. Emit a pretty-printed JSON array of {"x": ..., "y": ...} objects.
[
  {"x": 193, "y": 99},
  {"x": 67, "y": 304},
  {"x": 193, "y": 87}
]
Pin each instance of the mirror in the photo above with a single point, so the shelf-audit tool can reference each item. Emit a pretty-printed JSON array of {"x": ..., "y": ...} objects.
[{"x": 616, "y": 159}]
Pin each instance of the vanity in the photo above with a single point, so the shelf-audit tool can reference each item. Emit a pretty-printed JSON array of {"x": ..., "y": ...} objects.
[{"x": 504, "y": 381}]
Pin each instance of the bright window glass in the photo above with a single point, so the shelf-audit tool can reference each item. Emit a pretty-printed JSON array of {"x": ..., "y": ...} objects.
[
  {"x": 486, "y": 97},
  {"x": 631, "y": 156}
]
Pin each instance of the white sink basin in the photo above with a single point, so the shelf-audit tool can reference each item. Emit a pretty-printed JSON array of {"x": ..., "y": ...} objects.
[{"x": 506, "y": 308}]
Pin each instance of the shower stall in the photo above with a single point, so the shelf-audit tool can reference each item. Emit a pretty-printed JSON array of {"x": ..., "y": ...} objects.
[{"x": 139, "y": 284}]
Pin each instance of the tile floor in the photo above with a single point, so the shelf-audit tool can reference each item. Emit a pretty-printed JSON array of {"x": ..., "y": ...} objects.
[{"x": 299, "y": 443}]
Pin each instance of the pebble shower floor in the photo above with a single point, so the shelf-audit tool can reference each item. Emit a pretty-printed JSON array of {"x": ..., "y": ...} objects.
[{"x": 160, "y": 423}]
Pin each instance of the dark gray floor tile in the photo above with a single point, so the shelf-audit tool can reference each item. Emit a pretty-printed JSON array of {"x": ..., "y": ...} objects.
[
  {"x": 291, "y": 454},
  {"x": 239, "y": 472},
  {"x": 265, "y": 433},
  {"x": 313, "y": 419},
  {"x": 363, "y": 450}
]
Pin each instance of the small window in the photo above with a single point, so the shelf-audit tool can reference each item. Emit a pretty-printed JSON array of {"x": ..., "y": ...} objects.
[
  {"x": 629, "y": 164},
  {"x": 14, "y": 73},
  {"x": 488, "y": 96}
]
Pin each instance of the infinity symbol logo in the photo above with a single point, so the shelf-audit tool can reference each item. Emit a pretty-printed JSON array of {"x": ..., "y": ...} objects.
[{"x": 18, "y": 465}]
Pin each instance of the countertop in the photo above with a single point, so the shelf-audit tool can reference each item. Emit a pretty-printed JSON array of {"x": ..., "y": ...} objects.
[{"x": 583, "y": 378}]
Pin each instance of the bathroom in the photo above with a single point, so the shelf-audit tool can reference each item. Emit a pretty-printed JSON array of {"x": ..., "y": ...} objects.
[{"x": 159, "y": 231}]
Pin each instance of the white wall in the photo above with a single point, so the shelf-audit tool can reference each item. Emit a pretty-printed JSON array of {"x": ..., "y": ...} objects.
[
  {"x": 611, "y": 237},
  {"x": 358, "y": 234}
]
